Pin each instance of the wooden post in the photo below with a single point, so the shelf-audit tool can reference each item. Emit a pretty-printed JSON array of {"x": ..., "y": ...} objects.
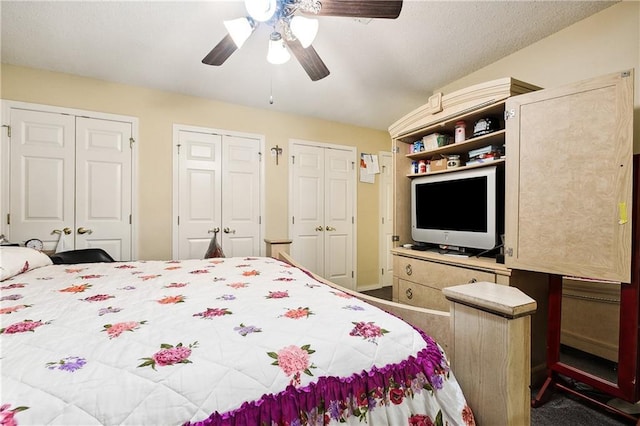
[
  {"x": 490, "y": 350},
  {"x": 276, "y": 246}
]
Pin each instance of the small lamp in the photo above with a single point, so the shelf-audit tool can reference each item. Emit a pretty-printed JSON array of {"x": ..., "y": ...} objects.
[
  {"x": 305, "y": 29},
  {"x": 278, "y": 53},
  {"x": 239, "y": 29},
  {"x": 261, "y": 10}
]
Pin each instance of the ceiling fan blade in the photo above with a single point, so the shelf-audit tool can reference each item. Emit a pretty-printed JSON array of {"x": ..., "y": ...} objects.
[
  {"x": 309, "y": 59},
  {"x": 221, "y": 52},
  {"x": 389, "y": 9}
]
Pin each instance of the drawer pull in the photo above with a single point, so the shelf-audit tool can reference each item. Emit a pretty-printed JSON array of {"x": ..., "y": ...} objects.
[
  {"x": 473, "y": 280},
  {"x": 409, "y": 293},
  {"x": 408, "y": 269}
]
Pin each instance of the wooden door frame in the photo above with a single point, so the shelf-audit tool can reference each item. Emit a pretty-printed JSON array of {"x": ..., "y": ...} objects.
[
  {"x": 7, "y": 105},
  {"x": 354, "y": 151},
  {"x": 177, "y": 128},
  {"x": 381, "y": 210}
]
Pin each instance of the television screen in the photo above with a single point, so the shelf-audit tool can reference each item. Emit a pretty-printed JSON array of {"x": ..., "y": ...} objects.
[
  {"x": 453, "y": 205},
  {"x": 463, "y": 209}
]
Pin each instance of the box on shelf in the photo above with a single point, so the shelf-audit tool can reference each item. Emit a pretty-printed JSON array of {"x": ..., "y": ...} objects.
[
  {"x": 436, "y": 140},
  {"x": 484, "y": 150},
  {"x": 438, "y": 163}
]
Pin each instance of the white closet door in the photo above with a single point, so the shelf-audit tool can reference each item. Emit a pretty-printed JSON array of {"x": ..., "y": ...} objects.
[
  {"x": 322, "y": 198},
  {"x": 307, "y": 227},
  {"x": 338, "y": 216},
  {"x": 103, "y": 186},
  {"x": 42, "y": 175},
  {"x": 240, "y": 196},
  {"x": 199, "y": 192}
]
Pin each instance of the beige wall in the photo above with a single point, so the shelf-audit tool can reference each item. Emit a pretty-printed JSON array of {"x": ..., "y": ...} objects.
[
  {"x": 157, "y": 111},
  {"x": 601, "y": 44}
]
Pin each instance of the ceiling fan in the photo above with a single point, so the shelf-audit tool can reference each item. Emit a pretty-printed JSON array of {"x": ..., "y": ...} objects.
[{"x": 293, "y": 30}]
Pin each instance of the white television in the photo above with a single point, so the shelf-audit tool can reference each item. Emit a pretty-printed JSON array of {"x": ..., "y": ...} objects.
[{"x": 459, "y": 210}]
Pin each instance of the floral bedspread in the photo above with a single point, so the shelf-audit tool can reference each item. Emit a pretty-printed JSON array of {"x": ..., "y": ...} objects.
[{"x": 218, "y": 341}]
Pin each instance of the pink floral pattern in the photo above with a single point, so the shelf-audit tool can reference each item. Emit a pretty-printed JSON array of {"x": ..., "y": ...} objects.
[
  {"x": 238, "y": 285},
  {"x": 98, "y": 298},
  {"x": 368, "y": 331},
  {"x": 22, "y": 327},
  {"x": 167, "y": 300},
  {"x": 76, "y": 288},
  {"x": 298, "y": 313},
  {"x": 277, "y": 295},
  {"x": 169, "y": 355},
  {"x": 12, "y": 286},
  {"x": 293, "y": 360},
  {"x": 7, "y": 416},
  {"x": 116, "y": 329},
  {"x": 12, "y": 309},
  {"x": 213, "y": 312}
]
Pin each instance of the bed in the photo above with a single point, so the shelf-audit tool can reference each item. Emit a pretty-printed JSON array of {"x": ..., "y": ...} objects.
[{"x": 225, "y": 341}]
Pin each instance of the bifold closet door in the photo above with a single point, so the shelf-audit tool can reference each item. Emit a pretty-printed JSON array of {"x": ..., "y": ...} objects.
[
  {"x": 218, "y": 188},
  {"x": 322, "y": 222},
  {"x": 72, "y": 173}
]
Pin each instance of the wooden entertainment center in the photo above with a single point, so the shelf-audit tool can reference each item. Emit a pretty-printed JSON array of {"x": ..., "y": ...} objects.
[
  {"x": 420, "y": 276},
  {"x": 568, "y": 207}
]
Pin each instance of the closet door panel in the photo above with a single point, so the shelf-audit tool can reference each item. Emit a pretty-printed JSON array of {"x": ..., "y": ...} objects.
[
  {"x": 42, "y": 175},
  {"x": 241, "y": 196},
  {"x": 339, "y": 195},
  {"x": 200, "y": 187},
  {"x": 308, "y": 188},
  {"x": 103, "y": 186}
]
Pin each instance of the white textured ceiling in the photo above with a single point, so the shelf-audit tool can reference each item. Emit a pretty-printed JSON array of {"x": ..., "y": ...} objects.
[{"x": 380, "y": 70}]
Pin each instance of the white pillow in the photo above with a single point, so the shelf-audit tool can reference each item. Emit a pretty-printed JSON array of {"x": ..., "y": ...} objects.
[{"x": 16, "y": 260}]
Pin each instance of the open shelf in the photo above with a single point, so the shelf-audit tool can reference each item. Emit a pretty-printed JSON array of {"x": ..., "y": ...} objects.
[
  {"x": 457, "y": 169},
  {"x": 494, "y": 138}
]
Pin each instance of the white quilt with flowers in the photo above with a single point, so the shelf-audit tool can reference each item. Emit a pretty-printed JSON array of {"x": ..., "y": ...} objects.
[{"x": 220, "y": 341}]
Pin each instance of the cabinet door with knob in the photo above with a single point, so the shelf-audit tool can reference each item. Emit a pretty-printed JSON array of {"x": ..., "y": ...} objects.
[{"x": 71, "y": 180}]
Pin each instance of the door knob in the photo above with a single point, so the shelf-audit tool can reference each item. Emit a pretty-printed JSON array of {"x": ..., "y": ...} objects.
[
  {"x": 229, "y": 231},
  {"x": 82, "y": 230},
  {"x": 330, "y": 228},
  {"x": 319, "y": 228},
  {"x": 66, "y": 231},
  {"x": 214, "y": 230}
]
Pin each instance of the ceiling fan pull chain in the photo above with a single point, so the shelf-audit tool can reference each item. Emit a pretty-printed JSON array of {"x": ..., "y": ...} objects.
[{"x": 270, "y": 89}]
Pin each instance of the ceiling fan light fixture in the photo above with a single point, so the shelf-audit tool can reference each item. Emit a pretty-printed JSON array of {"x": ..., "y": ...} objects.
[
  {"x": 305, "y": 29},
  {"x": 239, "y": 29},
  {"x": 278, "y": 53},
  {"x": 261, "y": 10}
]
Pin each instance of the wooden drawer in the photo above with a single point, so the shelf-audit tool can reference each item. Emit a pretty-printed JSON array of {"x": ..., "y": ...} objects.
[
  {"x": 437, "y": 275},
  {"x": 422, "y": 296}
]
